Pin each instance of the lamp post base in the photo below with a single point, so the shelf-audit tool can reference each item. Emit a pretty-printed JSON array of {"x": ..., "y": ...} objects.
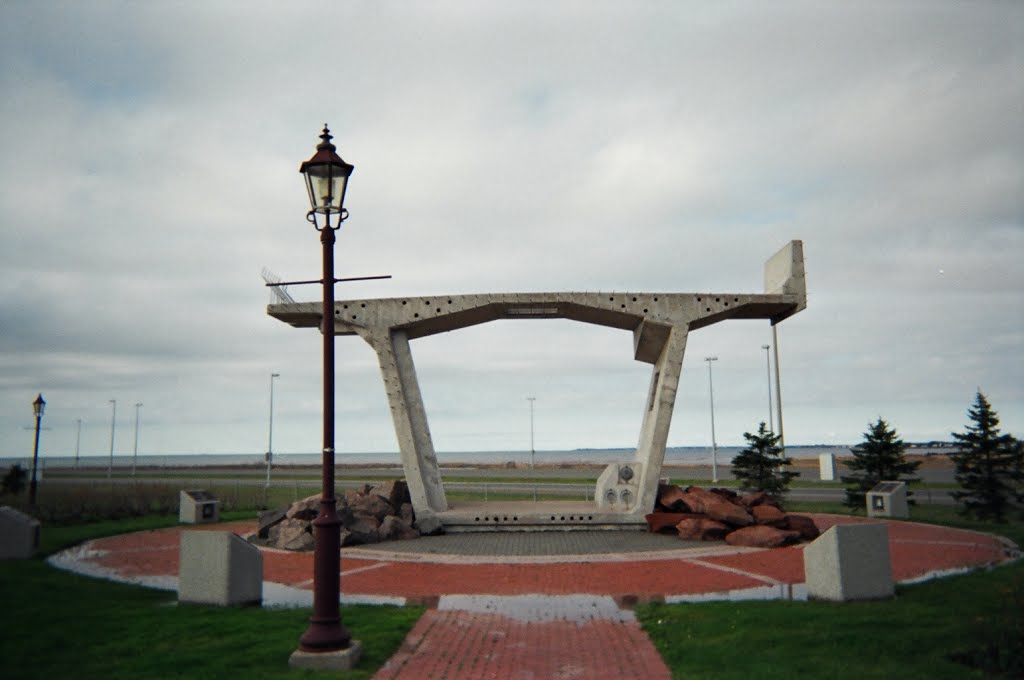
[{"x": 339, "y": 660}]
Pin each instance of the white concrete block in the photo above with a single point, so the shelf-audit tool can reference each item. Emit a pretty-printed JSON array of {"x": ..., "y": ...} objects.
[
  {"x": 219, "y": 568},
  {"x": 849, "y": 562},
  {"x": 198, "y": 507},
  {"x": 19, "y": 534},
  {"x": 827, "y": 467},
  {"x": 888, "y": 499},
  {"x": 339, "y": 660}
]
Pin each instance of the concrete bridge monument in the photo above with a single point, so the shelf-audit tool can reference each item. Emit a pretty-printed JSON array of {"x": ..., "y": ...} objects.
[{"x": 660, "y": 322}]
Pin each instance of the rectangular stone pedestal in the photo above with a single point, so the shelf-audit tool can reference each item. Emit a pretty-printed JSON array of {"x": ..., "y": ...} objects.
[
  {"x": 888, "y": 499},
  {"x": 198, "y": 507},
  {"x": 19, "y": 534},
  {"x": 849, "y": 562},
  {"x": 219, "y": 568}
]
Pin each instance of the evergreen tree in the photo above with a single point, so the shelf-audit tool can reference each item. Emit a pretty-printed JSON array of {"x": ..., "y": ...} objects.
[
  {"x": 759, "y": 466},
  {"x": 878, "y": 458},
  {"x": 988, "y": 465},
  {"x": 14, "y": 480}
]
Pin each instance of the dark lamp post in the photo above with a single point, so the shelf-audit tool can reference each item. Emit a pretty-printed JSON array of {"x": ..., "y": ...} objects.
[
  {"x": 38, "y": 406},
  {"x": 326, "y": 642}
]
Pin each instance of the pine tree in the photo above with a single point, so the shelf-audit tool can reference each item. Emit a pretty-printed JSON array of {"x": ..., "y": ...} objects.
[
  {"x": 759, "y": 466},
  {"x": 878, "y": 458},
  {"x": 14, "y": 480},
  {"x": 988, "y": 466}
]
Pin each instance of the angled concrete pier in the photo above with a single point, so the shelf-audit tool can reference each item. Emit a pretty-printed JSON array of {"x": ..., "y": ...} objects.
[{"x": 659, "y": 322}]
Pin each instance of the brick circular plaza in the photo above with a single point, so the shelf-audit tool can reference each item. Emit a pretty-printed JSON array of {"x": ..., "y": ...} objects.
[{"x": 564, "y": 595}]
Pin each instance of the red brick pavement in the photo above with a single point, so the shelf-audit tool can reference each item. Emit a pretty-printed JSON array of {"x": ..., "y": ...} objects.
[
  {"x": 915, "y": 549},
  {"x": 461, "y": 644}
]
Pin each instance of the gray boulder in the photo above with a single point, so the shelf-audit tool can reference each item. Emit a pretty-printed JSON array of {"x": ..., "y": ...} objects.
[
  {"x": 291, "y": 534},
  {"x": 363, "y": 529},
  {"x": 307, "y": 509},
  {"x": 267, "y": 519},
  {"x": 396, "y": 529},
  {"x": 369, "y": 505}
]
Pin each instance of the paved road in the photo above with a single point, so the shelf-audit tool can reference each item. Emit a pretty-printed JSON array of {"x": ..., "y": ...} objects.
[
  {"x": 583, "y": 490},
  {"x": 289, "y": 472}
]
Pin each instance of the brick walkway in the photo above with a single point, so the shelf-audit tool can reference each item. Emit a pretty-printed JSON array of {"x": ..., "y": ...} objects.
[
  {"x": 518, "y": 607},
  {"x": 454, "y": 644}
]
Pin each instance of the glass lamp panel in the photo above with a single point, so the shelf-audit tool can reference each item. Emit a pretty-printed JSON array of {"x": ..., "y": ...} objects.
[{"x": 326, "y": 188}]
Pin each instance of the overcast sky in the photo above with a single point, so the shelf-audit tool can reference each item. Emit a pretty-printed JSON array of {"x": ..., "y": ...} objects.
[{"x": 150, "y": 170}]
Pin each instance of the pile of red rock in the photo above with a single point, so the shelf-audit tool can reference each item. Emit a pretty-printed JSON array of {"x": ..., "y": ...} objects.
[
  {"x": 753, "y": 520},
  {"x": 381, "y": 512}
]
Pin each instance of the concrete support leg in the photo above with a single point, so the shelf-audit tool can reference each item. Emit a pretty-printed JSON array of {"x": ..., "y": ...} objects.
[
  {"x": 410, "y": 419},
  {"x": 660, "y": 404}
]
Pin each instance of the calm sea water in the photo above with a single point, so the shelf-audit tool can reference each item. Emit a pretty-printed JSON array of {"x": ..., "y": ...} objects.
[{"x": 688, "y": 455}]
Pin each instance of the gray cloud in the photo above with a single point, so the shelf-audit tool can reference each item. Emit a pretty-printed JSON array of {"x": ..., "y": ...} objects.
[{"x": 150, "y": 170}]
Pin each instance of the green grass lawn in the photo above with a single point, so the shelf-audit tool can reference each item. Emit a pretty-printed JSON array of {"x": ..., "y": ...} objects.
[
  {"x": 911, "y": 636},
  {"x": 59, "y": 624}
]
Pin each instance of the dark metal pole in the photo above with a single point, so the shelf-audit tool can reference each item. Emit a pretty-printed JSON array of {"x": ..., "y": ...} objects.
[
  {"x": 35, "y": 462},
  {"x": 326, "y": 632}
]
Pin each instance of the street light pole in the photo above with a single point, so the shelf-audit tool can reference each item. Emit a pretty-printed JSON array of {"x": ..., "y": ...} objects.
[
  {"x": 714, "y": 444},
  {"x": 78, "y": 440},
  {"x": 532, "y": 452},
  {"x": 38, "y": 406},
  {"x": 778, "y": 391},
  {"x": 270, "y": 435},
  {"x": 135, "y": 450},
  {"x": 768, "y": 368},
  {"x": 326, "y": 176},
  {"x": 113, "y": 422}
]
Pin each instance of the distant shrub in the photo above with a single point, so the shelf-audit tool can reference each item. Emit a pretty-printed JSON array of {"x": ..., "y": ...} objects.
[
  {"x": 92, "y": 502},
  {"x": 80, "y": 503},
  {"x": 14, "y": 480}
]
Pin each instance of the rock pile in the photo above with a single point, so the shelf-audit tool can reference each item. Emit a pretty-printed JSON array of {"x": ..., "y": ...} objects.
[
  {"x": 381, "y": 512},
  {"x": 753, "y": 520}
]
